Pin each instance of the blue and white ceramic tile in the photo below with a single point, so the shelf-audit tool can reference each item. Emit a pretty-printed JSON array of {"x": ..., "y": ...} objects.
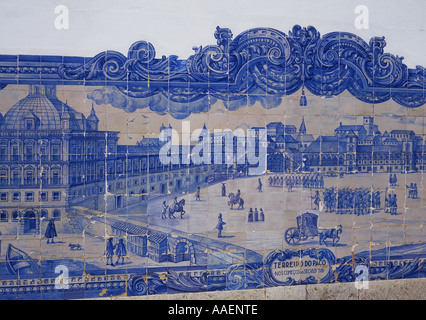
[{"x": 268, "y": 156}]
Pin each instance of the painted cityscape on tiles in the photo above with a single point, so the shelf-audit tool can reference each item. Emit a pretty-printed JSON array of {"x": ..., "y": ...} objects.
[{"x": 266, "y": 159}]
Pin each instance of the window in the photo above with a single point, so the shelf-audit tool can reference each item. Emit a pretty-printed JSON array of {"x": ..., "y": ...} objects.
[
  {"x": 3, "y": 216},
  {"x": 29, "y": 196},
  {"x": 15, "y": 215},
  {"x": 43, "y": 196},
  {"x": 55, "y": 153},
  {"x": 28, "y": 153},
  {"x": 15, "y": 178},
  {"x": 3, "y": 152},
  {"x": 3, "y": 177},
  {"x": 56, "y": 178},
  {"x": 29, "y": 177},
  {"x": 16, "y": 196},
  {"x": 57, "y": 214},
  {"x": 3, "y": 196},
  {"x": 15, "y": 152},
  {"x": 43, "y": 152},
  {"x": 44, "y": 213},
  {"x": 56, "y": 196}
]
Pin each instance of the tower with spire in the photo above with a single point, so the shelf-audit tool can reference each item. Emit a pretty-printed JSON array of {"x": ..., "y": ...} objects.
[
  {"x": 92, "y": 119},
  {"x": 302, "y": 128}
]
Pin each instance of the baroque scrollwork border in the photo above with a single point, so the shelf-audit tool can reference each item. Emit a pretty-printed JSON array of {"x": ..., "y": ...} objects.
[{"x": 259, "y": 61}]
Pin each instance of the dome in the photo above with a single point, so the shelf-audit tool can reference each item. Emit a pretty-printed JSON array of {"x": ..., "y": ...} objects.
[{"x": 41, "y": 110}]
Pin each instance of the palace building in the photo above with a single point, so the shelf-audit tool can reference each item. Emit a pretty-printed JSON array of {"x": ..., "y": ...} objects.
[{"x": 53, "y": 157}]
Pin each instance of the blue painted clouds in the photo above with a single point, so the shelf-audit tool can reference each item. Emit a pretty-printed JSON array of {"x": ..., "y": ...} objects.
[{"x": 163, "y": 105}]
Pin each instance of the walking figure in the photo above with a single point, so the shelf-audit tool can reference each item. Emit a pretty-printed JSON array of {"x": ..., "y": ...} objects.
[
  {"x": 197, "y": 195},
  {"x": 220, "y": 225},
  {"x": 164, "y": 212},
  {"x": 316, "y": 199},
  {"x": 259, "y": 187},
  {"x": 121, "y": 251},
  {"x": 109, "y": 252},
  {"x": 51, "y": 231},
  {"x": 262, "y": 216},
  {"x": 223, "y": 189}
]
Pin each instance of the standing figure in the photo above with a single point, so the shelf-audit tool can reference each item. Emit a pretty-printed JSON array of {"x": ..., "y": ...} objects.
[
  {"x": 51, "y": 231},
  {"x": 259, "y": 187},
  {"x": 223, "y": 189},
  {"x": 197, "y": 195},
  {"x": 220, "y": 225},
  {"x": 109, "y": 251},
  {"x": 388, "y": 201},
  {"x": 394, "y": 204},
  {"x": 250, "y": 215},
  {"x": 262, "y": 216},
  {"x": 163, "y": 213},
  {"x": 121, "y": 251},
  {"x": 415, "y": 191},
  {"x": 316, "y": 199},
  {"x": 256, "y": 215}
]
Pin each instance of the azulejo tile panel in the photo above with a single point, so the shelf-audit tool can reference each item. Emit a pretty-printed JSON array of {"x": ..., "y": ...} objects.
[{"x": 266, "y": 159}]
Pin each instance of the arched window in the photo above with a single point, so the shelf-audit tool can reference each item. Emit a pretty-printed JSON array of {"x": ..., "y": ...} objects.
[
  {"x": 56, "y": 176},
  {"x": 29, "y": 176},
  {"x": 3, "y": 177},
  {"x": 44, "y": 213},
  {"x": 3, "y": 151},
  {"x": 28, "y": 152},
  {"x": 14, "y": 154},
  {"x": 55, "y": 152}
]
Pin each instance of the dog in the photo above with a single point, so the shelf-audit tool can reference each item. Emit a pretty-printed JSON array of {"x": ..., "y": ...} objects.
[{"x": 75, "y": 247}]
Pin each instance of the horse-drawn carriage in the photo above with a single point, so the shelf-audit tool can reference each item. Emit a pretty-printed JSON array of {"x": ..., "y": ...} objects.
[{"x": 307, "y": 226}]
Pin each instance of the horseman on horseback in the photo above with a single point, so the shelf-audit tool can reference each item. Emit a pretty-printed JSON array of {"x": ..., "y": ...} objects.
[
  {"x": 236, "y": 199},
  {"x": 177, "y": 206}
]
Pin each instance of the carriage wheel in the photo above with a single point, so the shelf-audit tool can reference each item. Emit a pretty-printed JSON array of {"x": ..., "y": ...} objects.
[{"x": 292, "y": 236}]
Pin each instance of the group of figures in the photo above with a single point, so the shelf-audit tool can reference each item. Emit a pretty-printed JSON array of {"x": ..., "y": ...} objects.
[
  {"x": 412, "y": 191},
  {"x": 290, "y": 181},
  {"x": 112, "y": 249},
  {"x": 391, "y": 204},
  {"x": 256, "y": 215},
  {"x": 393, "y": 180},
  {"x": 351, "y": 201}
]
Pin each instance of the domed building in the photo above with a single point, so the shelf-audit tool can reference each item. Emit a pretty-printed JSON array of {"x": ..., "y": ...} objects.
[
  {"x": 46, "y": 148},
  {"x": 53, "y": 158}
]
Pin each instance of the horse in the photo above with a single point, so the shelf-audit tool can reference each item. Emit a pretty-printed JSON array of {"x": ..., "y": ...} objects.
[
  {"x": 234, "y": 200},
  {"x": 330, "y": 233},
  {"x": 178, "y": 207}
]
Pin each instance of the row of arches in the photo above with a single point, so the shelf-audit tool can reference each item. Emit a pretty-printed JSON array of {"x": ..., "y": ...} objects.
[
  {"x": 30, "y": 213},
  {"x": 30, "y": 175}
]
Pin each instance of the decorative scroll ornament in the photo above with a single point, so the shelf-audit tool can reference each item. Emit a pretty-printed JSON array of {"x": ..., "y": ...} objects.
[{"x": 262, "y": 61}]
